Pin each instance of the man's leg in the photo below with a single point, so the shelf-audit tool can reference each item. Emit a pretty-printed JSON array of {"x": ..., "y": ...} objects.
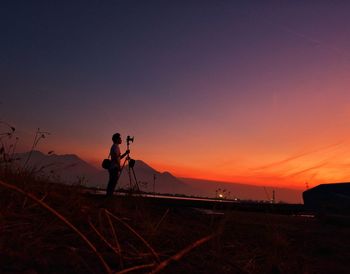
[{"x": 113, "y": 178}]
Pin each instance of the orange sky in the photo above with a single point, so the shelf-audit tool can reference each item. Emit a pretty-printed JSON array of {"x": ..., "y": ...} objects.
[
  {"x": 245, "y": 92},
  {"x": 285, "y": 140}
]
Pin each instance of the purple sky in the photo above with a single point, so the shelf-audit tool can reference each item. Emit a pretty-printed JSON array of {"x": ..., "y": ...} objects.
[{"x": 210, "y": 89}]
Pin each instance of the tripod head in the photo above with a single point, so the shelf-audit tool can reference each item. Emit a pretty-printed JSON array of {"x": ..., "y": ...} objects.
[{"x": 128, "y": 141}]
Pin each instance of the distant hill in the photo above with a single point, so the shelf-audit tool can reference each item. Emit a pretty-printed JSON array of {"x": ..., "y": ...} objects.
[
  {"x": 70, "y": 168},
  {"x": 152, "y": 180}
]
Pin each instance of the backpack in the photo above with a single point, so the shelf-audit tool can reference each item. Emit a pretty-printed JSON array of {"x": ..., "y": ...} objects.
[{"x": 106, "y": 163}]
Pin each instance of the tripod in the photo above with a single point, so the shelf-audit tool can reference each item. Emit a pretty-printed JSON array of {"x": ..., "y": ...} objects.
[{"x": 131, "y": 164}]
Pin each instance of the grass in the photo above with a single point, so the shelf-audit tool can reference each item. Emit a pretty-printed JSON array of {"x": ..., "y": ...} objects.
[
  {"x": 52, "y": 228},
  {"x": 49, "y": 227},
  {"x": 46, "y": 227}
]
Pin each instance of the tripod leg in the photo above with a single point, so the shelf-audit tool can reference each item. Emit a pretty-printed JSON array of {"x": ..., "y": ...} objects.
[
  {"x": 136, "y": 183},
  {"x": 121, "y": 170},
  {"x": 130, "y": 181},
  {"x": 120, "y": 173}
]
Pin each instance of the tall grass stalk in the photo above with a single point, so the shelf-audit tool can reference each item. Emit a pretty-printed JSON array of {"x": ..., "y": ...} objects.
[
  {"x": 38, "y": 136},
  {"x": 62, "y": 218},
  {"x": 136, "y": 234},
  {"x": 182, "y": 253}
]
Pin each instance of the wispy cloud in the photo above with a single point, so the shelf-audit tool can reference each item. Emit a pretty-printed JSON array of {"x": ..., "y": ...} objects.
[
  {"x": 316, "y": 42},
  {"x": 297, "y": 156},
  {"x": 301, "y": 35},
  {"x": 307, "y": 170}
]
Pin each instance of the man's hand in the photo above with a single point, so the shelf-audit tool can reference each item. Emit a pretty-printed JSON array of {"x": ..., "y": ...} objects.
[{"x": 126, "y": 153}]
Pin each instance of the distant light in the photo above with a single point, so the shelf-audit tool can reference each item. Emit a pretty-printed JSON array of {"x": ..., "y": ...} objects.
[{"x": 220, "y": 195}]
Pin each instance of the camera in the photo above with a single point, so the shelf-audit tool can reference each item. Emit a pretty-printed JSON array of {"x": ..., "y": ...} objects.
[{"x": 129, "y": 139}]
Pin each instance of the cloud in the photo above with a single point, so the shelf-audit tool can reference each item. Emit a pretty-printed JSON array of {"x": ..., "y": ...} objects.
[
  {"x": 297, "y": 156},
  {"x": 316, "y": 42},
  {"x": 301, "y": 35},
  {"x": 307, "y": 169}
]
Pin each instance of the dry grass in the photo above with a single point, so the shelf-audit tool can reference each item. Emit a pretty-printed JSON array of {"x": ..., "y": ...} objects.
[
  {"x": 52, "y": 228},
  {"x": 38, "y": 217}
]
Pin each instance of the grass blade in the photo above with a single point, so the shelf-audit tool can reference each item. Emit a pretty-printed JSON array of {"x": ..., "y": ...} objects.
[
  {"x": 137, "y": 235},
  {"x": 62, "y": 218},
  {"x": 182, "y": 253},
  {"x": 116, "y": 240}
]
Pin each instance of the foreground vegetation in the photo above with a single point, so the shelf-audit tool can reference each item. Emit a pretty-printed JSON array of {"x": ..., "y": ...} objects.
[{"x": 55, "y": 228}]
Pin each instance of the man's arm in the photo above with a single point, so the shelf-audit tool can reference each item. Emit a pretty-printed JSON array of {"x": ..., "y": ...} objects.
[{"x": 126, "y": 153}]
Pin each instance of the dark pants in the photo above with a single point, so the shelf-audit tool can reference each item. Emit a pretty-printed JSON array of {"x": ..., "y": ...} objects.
[{"x": 113, "y": 179}]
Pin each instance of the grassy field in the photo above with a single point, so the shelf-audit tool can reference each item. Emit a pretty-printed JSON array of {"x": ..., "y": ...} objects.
[{"x": 53, "y": 228}]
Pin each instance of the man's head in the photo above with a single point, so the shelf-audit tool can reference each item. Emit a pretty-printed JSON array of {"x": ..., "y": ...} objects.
[{"x": 116, "y": 138}]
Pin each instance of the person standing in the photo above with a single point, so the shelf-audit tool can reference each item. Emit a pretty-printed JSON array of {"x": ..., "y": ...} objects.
[{"x": 115, "y": 168}]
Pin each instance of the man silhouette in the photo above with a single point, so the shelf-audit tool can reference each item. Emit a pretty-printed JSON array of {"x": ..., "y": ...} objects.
[{"x": 115, "y": 169}]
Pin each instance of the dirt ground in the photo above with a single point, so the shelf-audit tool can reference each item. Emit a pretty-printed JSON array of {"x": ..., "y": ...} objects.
[{"x": 134, "y": 236}]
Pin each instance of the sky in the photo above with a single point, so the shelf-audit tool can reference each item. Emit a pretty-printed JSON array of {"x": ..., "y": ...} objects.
[{"x": 240, "y": 91}]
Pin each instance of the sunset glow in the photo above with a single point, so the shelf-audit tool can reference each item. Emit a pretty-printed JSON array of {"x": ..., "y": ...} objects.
[{"x": 236, "y": 92}]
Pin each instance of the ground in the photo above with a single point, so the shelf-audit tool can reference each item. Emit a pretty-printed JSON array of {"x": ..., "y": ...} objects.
[{"x": 58, "y": 229}]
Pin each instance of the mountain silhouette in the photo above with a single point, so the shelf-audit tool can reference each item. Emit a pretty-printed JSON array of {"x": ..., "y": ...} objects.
[
  {"x": 152, "y": 180},
  {"x": 69, "y": 168}
]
